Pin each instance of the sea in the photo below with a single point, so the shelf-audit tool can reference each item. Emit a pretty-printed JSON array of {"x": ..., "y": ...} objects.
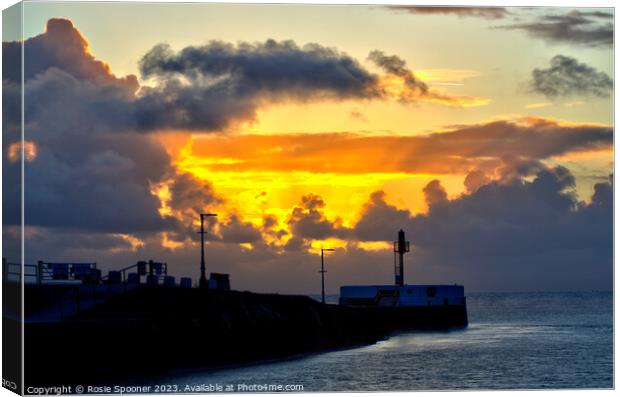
[{"x": 519, "y": 341}]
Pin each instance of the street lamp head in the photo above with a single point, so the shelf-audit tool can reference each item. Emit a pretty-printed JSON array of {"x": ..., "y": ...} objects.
[
  {"x": 209, "y": 214},
  {"x": 327, "y": 249}
]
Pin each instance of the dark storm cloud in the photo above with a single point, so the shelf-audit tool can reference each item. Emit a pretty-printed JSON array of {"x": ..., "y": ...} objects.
[
  {"x": 507, "y": 234},
  {"x": 514, "y": 233},
  {"x": 97, "y": 183},
  {"x": 516, "y": 218},
  {"x": 93, "y": 175},
  {"x": 478, "y": 12},
  {"x": 190, "y": 193},
  {"x": 82, "y": 178},
  {"x": 237, "y": 231},
  {"x": 227, "y": 83},
  {"x": 218, "y": 85},
  {"x": 91, "y": 171},
  {"x": 54, "y": 245},
  {"x": 593, "y": 29},
  {"x": 63, "y": 47},
  {"x": 566, "y": 76},
  {"x": 207, "y": 88},
  {"x": 199, "y": 88},
  {"x": 272, "y": 67}
]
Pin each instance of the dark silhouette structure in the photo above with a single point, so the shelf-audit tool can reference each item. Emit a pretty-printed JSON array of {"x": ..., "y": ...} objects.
[
  {"x": 203, "y": 277},
  {"x": 401, "y": 247},
  {"x": 238, "y": 327},
  {"x": 323, "y": 271}
]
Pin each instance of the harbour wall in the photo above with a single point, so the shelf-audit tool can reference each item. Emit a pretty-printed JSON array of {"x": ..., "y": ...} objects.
[{"x": 149, "y": 331}]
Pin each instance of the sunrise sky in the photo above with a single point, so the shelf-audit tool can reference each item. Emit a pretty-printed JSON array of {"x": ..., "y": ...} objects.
[{"x": 485, "y": 133}]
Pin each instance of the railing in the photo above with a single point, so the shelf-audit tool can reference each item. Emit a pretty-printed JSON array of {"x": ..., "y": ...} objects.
[
  {"x": 47, "y": 271},
  {"x": 11, "y": 271},
  {"x": 69, "y": 288}
]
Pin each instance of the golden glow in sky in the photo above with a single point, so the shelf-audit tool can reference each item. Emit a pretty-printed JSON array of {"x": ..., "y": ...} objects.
[{"x": 450, "y": 96}]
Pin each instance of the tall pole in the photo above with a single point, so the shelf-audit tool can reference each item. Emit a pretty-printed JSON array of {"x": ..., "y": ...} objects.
[
  {"x": 322, "y": 278},
  {"x": 323, "y": 271},
  {"x": 203, "y": 277}
]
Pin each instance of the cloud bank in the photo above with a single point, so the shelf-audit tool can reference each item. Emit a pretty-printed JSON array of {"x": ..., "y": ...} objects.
[
  {"x": 96, "y": 178},
  {"x": 590, "y": 29},
  {"x": 513, "y": 227},
  {"x": 485, "y": 146}
]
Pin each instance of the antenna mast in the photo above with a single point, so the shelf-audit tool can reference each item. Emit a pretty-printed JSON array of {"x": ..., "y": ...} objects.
[{"x": 401, "y": 247}]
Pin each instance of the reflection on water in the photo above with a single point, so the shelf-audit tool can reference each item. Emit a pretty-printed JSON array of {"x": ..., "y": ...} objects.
[{"x": 522, "y": 341}]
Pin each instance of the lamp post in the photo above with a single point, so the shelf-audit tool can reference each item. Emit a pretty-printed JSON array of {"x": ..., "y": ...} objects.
[
  {"x": 203, "y": 278},
  {"x": 323, "y": 271}
]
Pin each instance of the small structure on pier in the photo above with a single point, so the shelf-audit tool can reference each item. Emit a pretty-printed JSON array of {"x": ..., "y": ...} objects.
[{"x": 401, "y": 294}]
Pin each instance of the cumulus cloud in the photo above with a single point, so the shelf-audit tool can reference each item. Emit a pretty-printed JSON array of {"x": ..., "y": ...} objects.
[
  {"x": 474, "y": 180},
  {"x": 271, "y": 227},
  {"x": 503, "y": 230},
  {"x": 435, "y": 194},
  {"x": 379, "y": 220},
  {"x": 237, "y": 231},
  {"x": 62, "y": 47},
  {"x": 95, "y": 183},
  {"x": 513, "y": 218},
  {"x": 516, "y": 228},
  {"x": 566, "y": 76},
  {"x": 308, "y": 221},
  {"x": 190, "y": 193},
  {"x": 478, "y": 12},
  {"x": 205, "y": 88},
  {"x": 218, "y": 85},
  {"x": 515, "y": 167},
  {"x": 91, "y": 171},
  {"x": 228, "y": 83},
  {"x": 592, "y": 29},
  {"x": 91, "y": 183},
  {"x": 270, "y": 68},
  {"x": 518, "y": 234}
]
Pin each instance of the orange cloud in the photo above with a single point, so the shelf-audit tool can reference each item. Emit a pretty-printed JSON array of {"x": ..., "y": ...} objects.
[
  {"x": 455, "y": 151},
  {"x": 538, "y": 105}
]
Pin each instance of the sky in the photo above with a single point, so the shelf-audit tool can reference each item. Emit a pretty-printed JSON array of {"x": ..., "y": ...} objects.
[{"x": 485, "y": 133}]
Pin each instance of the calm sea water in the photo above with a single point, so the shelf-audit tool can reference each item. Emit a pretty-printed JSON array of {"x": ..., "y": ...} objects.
[{"x": 514, "y": 341}]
